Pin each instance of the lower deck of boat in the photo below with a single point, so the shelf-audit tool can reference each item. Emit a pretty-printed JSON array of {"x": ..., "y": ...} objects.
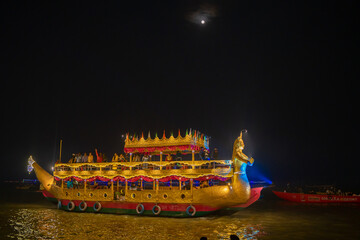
[{"x": 146, "y": 209}]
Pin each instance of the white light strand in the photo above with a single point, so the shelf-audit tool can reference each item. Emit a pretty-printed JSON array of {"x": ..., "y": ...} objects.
[{"x": 30, "y": 164}]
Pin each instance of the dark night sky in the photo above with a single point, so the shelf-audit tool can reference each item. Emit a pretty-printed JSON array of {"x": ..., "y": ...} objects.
[{"x": 87, "y": 73}]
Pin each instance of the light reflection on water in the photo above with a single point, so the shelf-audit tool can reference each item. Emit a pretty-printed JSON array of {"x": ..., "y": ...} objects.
[
  {"x": 54, "y": 224},
  {"x": 263, "y": 220}
]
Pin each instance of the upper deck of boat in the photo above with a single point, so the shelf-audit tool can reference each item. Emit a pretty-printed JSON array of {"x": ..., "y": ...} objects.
[{"x": 156, "y": 169}]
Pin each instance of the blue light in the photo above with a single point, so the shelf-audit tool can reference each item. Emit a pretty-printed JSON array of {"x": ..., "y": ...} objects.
[{"x": 256, "y": 176}]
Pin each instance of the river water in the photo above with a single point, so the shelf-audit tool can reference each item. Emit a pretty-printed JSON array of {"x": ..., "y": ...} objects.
[{"x": 32, "y": 217}]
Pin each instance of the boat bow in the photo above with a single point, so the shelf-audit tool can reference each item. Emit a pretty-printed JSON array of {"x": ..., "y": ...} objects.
[{"x": 45, "y": 178}]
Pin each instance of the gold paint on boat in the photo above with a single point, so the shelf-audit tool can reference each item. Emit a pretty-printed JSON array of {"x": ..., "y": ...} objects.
[{"x": 236, "y": 192}]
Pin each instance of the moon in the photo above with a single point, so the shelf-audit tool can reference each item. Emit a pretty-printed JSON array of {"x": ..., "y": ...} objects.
[{"x": 202, "y": 21}]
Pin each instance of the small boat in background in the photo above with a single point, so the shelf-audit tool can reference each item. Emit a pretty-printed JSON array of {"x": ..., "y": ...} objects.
[{"x": 317, "y": 198}]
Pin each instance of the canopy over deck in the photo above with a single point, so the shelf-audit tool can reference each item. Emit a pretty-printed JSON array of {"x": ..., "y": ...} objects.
[{"x": 191, "y": 142}]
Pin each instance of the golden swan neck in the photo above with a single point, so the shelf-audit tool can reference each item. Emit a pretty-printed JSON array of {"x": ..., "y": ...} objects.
[
  {"x": 239, "y": 181},
  {"x": 238, "y": 157}
]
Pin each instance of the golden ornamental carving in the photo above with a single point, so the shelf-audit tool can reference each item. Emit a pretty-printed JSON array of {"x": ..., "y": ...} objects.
[{"x": 198, "y": 140}]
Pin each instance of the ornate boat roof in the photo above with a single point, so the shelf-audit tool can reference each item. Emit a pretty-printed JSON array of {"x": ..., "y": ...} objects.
[{"x": 191, "y": 142}]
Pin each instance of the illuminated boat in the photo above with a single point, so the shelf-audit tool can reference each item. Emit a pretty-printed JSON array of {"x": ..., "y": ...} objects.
[
  {"x": 317, "y": 198},
  {"x": 181, "y": 187}
]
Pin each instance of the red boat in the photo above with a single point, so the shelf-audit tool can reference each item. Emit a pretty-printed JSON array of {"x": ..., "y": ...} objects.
[{"x": 317, "y": 198}]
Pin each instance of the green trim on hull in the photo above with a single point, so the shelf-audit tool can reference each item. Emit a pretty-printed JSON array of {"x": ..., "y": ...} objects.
[{"x": 53, "y": 200}]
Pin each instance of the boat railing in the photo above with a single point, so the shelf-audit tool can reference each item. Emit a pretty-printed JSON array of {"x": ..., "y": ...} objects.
[
  {"x": 151, "y": 165},
  {"x": 225, "y": 172}
]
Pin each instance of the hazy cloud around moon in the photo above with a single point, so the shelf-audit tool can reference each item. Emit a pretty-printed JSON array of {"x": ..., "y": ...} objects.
[{"x": 204, "y": 12}]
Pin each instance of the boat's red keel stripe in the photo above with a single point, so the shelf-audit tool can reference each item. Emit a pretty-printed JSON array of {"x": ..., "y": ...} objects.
[
  {"x": 254, "y": 196},
  {"x": 167, "y": 209}
]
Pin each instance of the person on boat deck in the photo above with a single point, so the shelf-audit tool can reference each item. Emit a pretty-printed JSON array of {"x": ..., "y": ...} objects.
[
  {"x": 169, "y": 159},
  {"x": 132, "y": 186},
  {"x": 120, "y": 195},
  {"x": 215, "y": 154},
  {"x": 206, "y": 154},
  {"x": 99, "y": 157},
  {"x": 84, "y": 158},
  {"x": 117, "y": 195},
  {"x": 185, "y": 186},
  {"x": 204, "y": 184},
  {"x": 127, "y": 157},
  {"x": 90, "y": 158},
  {"x": 78, "y": 158},
  {"x": 69, "y": 184},
  {"x": 115, "y": 158},
  {"x": 145, "y": 159},
  {"x": 105, "y": 159},
  {"x": 72, "y": 159},
  {"x": 76, "y": 184},
  {"x": 122, "y": 158}
]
